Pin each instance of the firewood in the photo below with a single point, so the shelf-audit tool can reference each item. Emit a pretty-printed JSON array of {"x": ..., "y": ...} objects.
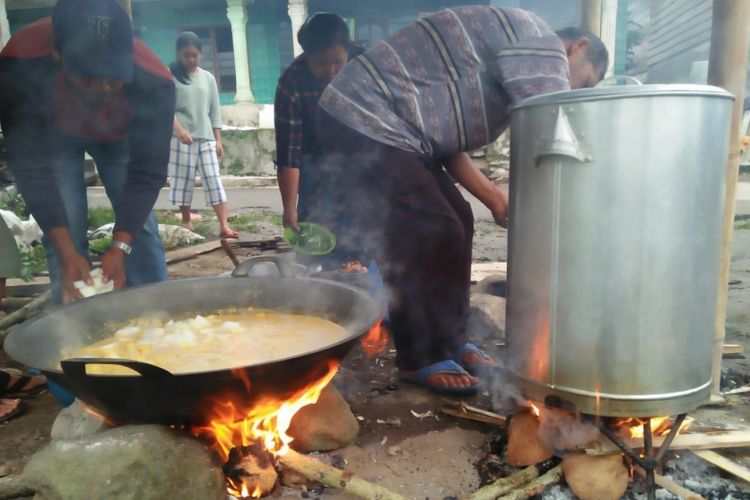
[
  {"x": 724, "y": 463},
  {"x": 25, "y": 312},
  {"x": 733, "y": 350},
  {"x": 536, "y": 486},
  {"x": 524, "y": 445},
  {"x": 672, "y": 487},
  {"x": 704, "y": 441},
  {"x": 14, "y": 487},
  {"x": 253, "y": 466},
  {"x": 596, "y": 477},
  {"x": 327, "y": 475},
  {"x": 462, "y": 410},
  {"x": 505, "y": 485}
]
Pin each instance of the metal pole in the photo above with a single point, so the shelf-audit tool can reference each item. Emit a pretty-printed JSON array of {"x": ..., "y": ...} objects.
[
  {"x": 591, "y": 16},
  {"x": 727, "y": 67}
]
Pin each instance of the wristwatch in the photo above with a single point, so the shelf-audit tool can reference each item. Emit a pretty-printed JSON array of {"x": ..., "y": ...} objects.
[{"x": 122, "y": 246}]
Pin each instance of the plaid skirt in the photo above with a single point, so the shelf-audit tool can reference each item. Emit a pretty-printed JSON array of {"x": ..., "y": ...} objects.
[{"x": 184, "y": 162}]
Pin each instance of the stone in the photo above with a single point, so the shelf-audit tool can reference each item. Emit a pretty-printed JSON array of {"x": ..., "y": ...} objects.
[
  {"x": 326, "y": 425},
  {"x": 486, "y": 317},
  {"x": 596, "y": 477},
  {"x": 138, "y": 462},
  {"x": 74, "y": 421},
  {"x": 525, "y": 447}
]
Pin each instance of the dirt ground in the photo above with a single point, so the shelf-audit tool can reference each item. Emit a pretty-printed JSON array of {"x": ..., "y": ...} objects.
[{"x": 425, "y": 456}]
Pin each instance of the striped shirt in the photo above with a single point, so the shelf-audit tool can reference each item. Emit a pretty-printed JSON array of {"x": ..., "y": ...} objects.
[{"x": 445, "y": 83}]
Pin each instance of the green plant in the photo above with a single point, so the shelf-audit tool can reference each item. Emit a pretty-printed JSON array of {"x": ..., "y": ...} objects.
[
  {"x": 204, "y": 229},
  {"x": 99, "y": 216},
  {"x": 100, "y": 245},
  {"x": 236, "y": 168},
  {"x": 167, "y": 217},
  {"x": 33, "y": 262},
  {"x": 742, "y": 224},
  {"x": 16, "y": 204}
]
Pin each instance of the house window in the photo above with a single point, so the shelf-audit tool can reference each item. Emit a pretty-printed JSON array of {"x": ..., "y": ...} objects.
[
  {"x": 370, "y": 30},
  {"x": 218, "y": 54}
]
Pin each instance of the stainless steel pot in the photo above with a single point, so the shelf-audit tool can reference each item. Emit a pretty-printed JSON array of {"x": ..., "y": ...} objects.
[{"x": 616, "y": 206}]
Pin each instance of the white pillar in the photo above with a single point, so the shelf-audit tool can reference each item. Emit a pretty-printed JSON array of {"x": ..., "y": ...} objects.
[
  {"x": 4, "y": 25},
  {"x": 237, "y": 14},
  {"x": 297, "y": 14},
  {"x": 608, "y": 30}
]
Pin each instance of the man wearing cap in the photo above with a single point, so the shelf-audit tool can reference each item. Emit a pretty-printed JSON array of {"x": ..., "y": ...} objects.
[{"x": 79, "y": 83}]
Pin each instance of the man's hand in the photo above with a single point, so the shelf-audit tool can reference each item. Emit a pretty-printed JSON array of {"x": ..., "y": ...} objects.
[
  {"x": 219, "y": 150},
  {"x": 75, "y": 267},
  {"x": 113, "y": 267},
  {"x": 500, "y": 210},
  {"x": 290, "y": 219},
  {"x": 184, "y": 136}
]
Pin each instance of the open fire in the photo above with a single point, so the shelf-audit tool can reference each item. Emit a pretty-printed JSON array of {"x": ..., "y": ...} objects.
[
  {"x": 265, "y": 423},
  {"x": 262, "y": 429}
]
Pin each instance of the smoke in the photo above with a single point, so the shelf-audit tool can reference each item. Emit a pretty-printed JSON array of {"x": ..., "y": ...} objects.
[{"x": 562, "y": 431}]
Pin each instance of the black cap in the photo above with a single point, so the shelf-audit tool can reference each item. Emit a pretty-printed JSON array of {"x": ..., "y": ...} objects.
[{"x": 94, "y": 38}]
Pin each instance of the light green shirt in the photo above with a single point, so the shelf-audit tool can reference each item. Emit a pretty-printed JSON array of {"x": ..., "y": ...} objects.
[{"x": 198, "y": 108}]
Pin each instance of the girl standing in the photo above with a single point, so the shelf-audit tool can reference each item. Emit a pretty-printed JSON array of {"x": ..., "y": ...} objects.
[{"x": 196, "y": 143}]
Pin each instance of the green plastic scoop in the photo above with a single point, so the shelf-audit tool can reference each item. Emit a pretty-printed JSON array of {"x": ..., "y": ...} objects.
[{"x": 311, "y": 239}]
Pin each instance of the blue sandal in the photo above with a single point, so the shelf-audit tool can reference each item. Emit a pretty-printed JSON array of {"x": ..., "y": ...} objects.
[
  {"x": 473, "y": 368},
  {"x": 448, "y": 367}
]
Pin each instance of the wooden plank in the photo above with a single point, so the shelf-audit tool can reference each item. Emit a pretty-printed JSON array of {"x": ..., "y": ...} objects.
[
  {"x": 672, "y": 486},
  {"x": 704, "y": 441},
  {"x": 723, "y": 462},
  {"x": 733, "y": 349},
  {"x": 15, "y": 287},
  {"x": 182, "y": 254},
  {"x": 481, "y": 270}
]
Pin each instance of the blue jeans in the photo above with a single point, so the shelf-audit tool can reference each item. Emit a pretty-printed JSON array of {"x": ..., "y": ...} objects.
[{"x": 146, "y": 264}]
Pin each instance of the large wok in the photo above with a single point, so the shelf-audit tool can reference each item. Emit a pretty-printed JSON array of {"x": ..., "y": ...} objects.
[{"x": 155, "y": 395}]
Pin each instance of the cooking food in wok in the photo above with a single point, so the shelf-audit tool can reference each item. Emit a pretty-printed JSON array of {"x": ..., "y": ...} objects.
[{"x": 220, "y": 341}]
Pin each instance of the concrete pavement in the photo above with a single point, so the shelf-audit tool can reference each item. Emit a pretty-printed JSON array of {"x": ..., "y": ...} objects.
[{"x": 268, "y": 198}]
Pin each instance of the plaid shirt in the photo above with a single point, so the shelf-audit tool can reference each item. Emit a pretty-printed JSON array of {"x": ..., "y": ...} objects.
[{"x": 295, "y": 107}]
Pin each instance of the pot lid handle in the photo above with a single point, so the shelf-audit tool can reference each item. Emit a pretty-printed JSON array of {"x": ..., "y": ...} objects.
[
  {"x": 285, "y": 269},
  {"x": 561, "y": 142}
]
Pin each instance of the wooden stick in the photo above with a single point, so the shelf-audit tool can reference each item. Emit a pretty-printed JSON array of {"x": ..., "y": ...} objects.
[
  {"x": 182, "y": 254},
  {"x": 672, "y": 486},
  {"x": 723, "y": 462},
  {"x": 461, "y": 410},
  {"x": 505, "y": 485},
  {"x": 316, "y": 470},
  {"x": 729, "y": 37},
  {"x": 536, "y": 486},
  {"x": 25, "y": 312},
  {"x": 707, "y": 441},
  {"x": 13, "y": 487},
  {"x": 732, "y": 349}
]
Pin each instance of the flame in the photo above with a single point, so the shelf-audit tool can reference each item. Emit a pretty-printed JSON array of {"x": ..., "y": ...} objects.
[
  {"x": 265, "y": 423},
  {"x": 534, "y": 409},
  {"x": 375, "y": 340},
  {"x": 660, "y": 426}
]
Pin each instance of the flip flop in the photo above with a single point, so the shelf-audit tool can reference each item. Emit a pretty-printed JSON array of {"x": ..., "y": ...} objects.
[
  {"x": 447, "y": 366},
  {"x": 473, "y": 368},
  {"x": 16, "y": 389},
  {"x": 18, "y": 410},
  {"x": 230, "y": 235}
]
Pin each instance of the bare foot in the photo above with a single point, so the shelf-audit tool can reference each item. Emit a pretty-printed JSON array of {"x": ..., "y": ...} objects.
[
  {"x": 447, "y": 379},
  {"x": 474, "y": 358},
  {"x": 187, "y": 225}
]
